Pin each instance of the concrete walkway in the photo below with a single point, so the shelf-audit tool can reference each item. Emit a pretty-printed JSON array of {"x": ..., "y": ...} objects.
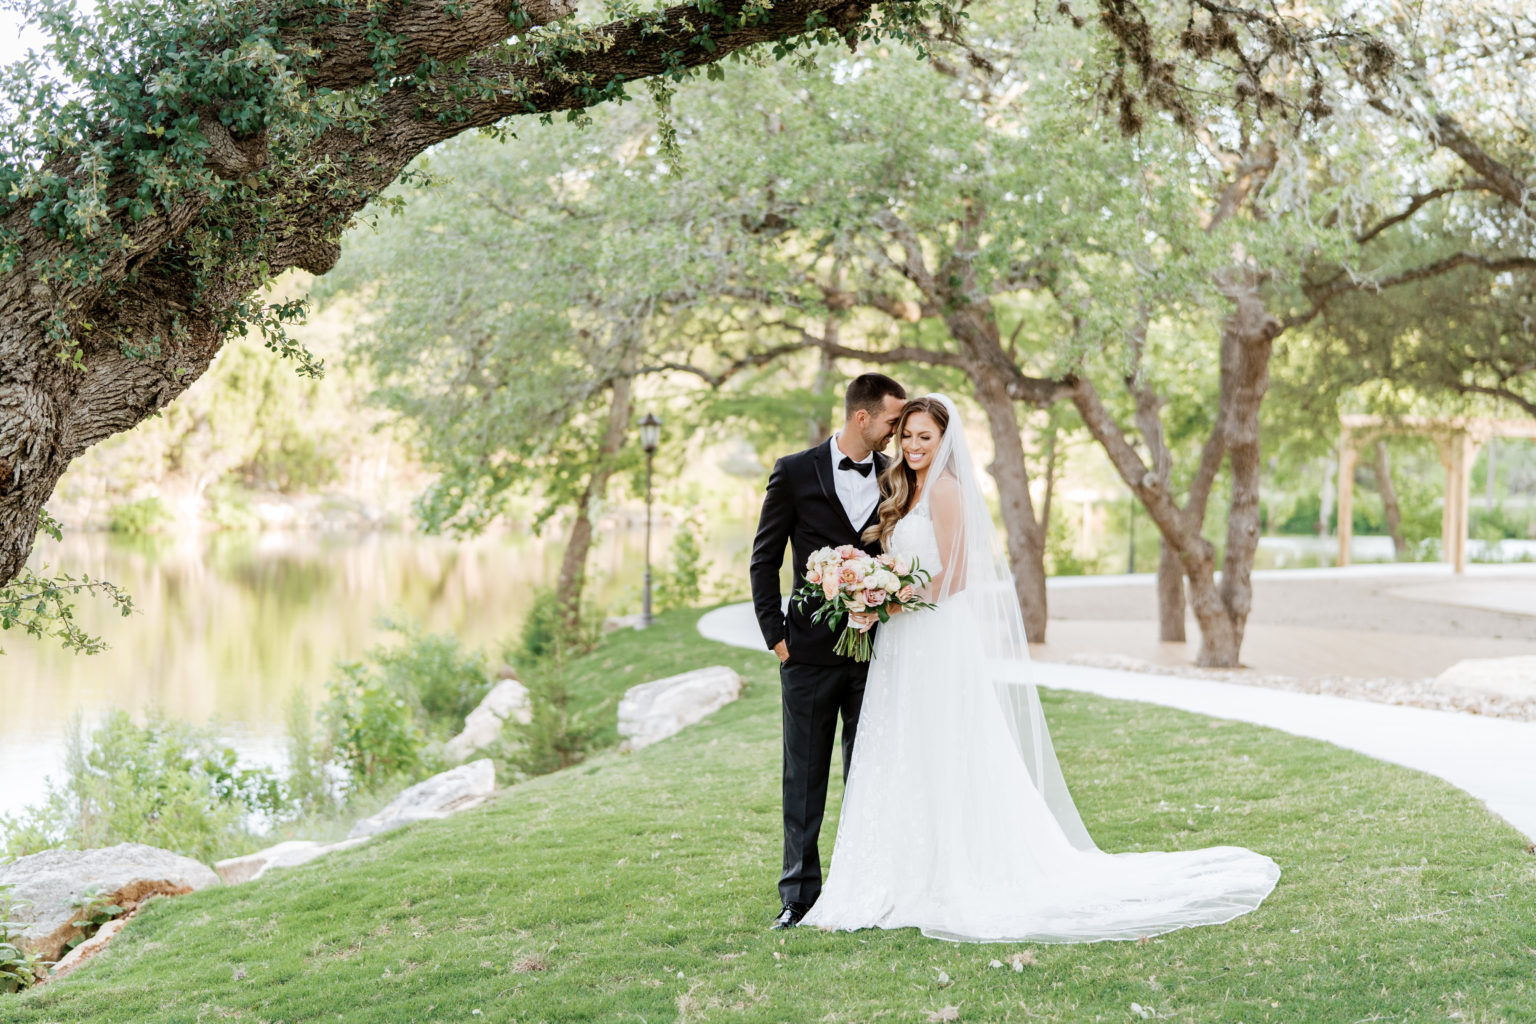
[{"x": 1493, "y": 759}]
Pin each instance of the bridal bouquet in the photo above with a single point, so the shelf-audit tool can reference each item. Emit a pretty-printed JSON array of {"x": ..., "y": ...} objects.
[{"x": 848, "y": 580}]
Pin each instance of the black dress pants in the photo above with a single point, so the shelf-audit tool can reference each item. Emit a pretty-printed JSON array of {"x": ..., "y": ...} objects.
[{"x": 814, "y": 696}]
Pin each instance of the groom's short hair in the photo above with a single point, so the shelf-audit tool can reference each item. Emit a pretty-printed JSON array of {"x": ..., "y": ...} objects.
[{"x": 868, "y": 391}]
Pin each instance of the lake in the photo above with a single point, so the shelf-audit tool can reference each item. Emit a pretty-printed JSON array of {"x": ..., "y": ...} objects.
[{"x": 228, "y": 625}]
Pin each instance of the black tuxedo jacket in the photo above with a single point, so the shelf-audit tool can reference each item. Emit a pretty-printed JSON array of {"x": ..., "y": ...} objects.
[{"x": 801, "y": 508}]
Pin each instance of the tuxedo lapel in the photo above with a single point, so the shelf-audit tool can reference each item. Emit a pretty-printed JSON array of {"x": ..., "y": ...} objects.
[{"x": 822, "y": 457}]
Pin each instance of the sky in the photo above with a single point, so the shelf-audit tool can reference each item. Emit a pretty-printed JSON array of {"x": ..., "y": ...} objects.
[{"x": 15, "y": 36}]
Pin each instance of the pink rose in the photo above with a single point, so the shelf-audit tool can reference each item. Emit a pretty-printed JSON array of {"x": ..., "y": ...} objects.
[
  {"x": 902, "y": 567},
  {"x": 889, "y": 561},
  {"x": 905, "y": 594},
  {"x": 829, "y": 587},
  {"x": 848, "y": 576},
  {"x": 848, "y": 551},
  {"x": 814, "y": 576},
  {"x": 874, "y": 597}
]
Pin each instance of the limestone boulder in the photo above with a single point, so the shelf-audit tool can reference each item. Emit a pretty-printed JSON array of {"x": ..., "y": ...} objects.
[
  {"x": 507, "y": 701},
  {"x": 1505, "y": 677},
  {"x": 653, "y": 711},
  {"x": 458, "y": 789},
  {"x": 46, "y": 886},
  {"x": 284, "y": 855}
]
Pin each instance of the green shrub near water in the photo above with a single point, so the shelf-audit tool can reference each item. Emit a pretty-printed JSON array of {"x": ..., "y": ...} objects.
[
  {"x": 682, "y": 585},
  {"x": 433, "y": 673},
  {"x": 164, "y": 783},
  {"x": 370, "y": 731},
  {"x": 18, "y": 970},
  {"x": 147, "y": 515}
]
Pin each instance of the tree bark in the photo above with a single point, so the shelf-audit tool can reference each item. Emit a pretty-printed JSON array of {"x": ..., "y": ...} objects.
[
  {"x": 573, "y": 566},
  {"x": 1394, "y": 513},
  {"x": 1170, "y": 573},
  {"x": 1170, "y": 594},
  {"x": 818, "y": 427},
  {"x": 1026, "y": 538},
  {"x": 1247, "y": 341},
  {"x": 1248, "y": 334}
]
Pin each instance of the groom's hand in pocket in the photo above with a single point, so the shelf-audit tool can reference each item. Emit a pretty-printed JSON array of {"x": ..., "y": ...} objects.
[{"x": 782, "y": 650}]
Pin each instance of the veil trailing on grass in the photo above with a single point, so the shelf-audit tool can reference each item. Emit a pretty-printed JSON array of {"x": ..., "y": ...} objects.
[{"x": 956, "y": 817}]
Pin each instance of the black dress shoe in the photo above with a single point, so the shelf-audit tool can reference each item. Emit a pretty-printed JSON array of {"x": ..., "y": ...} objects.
[{"x": 790, "y": 916}]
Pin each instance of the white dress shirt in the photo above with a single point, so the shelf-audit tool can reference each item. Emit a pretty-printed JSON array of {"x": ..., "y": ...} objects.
[{"x": 859, "y": 493}]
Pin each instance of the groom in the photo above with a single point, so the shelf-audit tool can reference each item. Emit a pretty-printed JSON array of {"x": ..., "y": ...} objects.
[{"x": 825, "y": 496}]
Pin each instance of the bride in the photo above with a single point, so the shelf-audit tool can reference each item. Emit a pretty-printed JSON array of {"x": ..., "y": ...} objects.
[{"x": 956, "y": 819}]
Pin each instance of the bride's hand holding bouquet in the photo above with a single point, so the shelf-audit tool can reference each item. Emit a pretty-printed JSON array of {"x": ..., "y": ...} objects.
[{"x": 848, "y": 582}]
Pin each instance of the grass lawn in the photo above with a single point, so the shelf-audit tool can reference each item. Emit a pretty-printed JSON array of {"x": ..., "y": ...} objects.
[{"x": 639, "y": 888}]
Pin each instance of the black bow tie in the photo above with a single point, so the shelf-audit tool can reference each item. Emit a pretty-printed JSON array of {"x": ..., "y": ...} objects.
[{"x": 861, "y": 468}]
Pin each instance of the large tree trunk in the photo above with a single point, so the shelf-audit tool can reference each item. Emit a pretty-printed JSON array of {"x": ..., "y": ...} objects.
[
  {"x": 819, "y": 422},
  {"x": 1394, "y": 513},
  {"x": 1170, "y": 572},
  {"x": 1170, "y": 594},
  {"x": 1026, "y": 539},
  {"x": 1248, "y": 335},
  {"x": 573, "y": 566},
  {"x": 1247, "y": 341}
]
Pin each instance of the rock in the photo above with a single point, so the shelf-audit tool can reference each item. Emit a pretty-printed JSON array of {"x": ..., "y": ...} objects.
[
  {"x": 1507, "y": 677},
  {"x": 284, "y": 855},
  {"x": 458, "y": 789},
  {"x": 508, "y": 699},
  {"x": 128, "y": 873},
  {"x": 658, "y": 709},
  {"x": 77, "y": 957}
]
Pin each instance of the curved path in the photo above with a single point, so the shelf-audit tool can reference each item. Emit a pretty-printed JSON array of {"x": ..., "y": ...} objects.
[{"x": 1494, "y": 759}]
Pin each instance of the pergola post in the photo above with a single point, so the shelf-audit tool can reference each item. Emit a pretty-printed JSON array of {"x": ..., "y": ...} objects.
[
  {"x": 1458, "y": 440},
  {"x": 1466, "y": 452},
  {"x": 1346, "y": 495},
  {"x": 1456, "y": 457}
]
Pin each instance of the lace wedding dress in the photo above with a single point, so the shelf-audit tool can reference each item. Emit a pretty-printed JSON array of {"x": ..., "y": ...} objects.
[{"x": 956, "y": 819}]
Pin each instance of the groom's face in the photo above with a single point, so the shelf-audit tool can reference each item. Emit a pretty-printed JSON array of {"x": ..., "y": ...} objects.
[{"x": 879, "y": 425}]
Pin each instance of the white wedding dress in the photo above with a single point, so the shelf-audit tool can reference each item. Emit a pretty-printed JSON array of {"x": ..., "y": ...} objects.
[{"x": 956, "y": 819}]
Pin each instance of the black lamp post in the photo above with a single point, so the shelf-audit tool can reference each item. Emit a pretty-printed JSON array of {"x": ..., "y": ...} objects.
[{"x": 650, "y": 438}]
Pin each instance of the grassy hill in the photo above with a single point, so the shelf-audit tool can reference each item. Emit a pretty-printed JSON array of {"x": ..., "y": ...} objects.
[{"x": 639, "y": 888}]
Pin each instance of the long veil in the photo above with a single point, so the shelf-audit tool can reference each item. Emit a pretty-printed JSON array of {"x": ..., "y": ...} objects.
[{"x": 975, "y": 574}]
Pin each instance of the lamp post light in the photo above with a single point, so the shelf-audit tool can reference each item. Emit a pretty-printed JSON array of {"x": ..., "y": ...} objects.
[{"x": 650, "y": 439}]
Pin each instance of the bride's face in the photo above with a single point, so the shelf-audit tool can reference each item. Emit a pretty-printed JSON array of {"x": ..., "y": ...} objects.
[{"x": 920, "y": 437}]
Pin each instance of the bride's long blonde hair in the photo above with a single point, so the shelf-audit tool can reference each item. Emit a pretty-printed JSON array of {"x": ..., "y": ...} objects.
[{"x": 899, "y": 483}]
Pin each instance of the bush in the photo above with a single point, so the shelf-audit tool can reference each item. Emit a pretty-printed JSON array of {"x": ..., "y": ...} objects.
[
  {"x": 556, "y": 736},
  {"x": 296, "y": 462},
  {"x": 370, "y": 730},
  {"x": 308, "y": 786},
  {"x": 145, "y": 516},
  {"x": 545, "y": 637},
  {"x": 228, "y": 509},
  {"x": 682, "y": 585},
  {"x": 441, "y": 681},
  {"x": 164, "y": 783},
  {"x": 1060, "y": 557},
  {"x": 18, "y": 970}
]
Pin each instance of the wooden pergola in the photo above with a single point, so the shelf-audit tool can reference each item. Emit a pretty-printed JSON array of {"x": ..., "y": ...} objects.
[{"x": 1458, "y": 438}]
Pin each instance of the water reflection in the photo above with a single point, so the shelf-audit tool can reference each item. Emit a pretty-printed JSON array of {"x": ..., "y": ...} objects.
[{"x": 228, "y": 625}]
